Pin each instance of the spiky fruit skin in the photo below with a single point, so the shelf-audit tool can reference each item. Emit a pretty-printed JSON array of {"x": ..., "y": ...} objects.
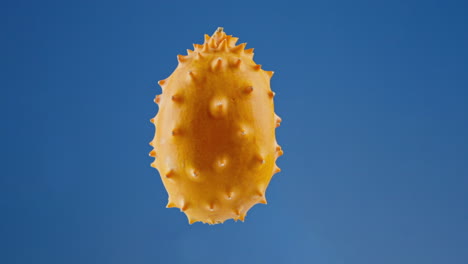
[{"x": 215, "y": 145}]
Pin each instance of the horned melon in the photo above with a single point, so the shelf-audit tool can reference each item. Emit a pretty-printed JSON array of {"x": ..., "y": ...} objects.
[{"x": 215, "y": 146}]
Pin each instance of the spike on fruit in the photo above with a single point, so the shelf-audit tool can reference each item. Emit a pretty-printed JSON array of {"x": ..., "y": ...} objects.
[
  {"x": 237, "y": 62},
  {"x": 219, "y": 107},
  {"x": 181, "y": 58},
  {"x": 278, "y": 152},
  {"x": 157, "y": 99},
  {"x": 171, "y": 205},
  {"x": 192, "y": 75},
  {"x": 248, "y": 90},
  {"x": 249, "y": 53},
  {"x": 242, "y": 217},
  {"x": 232, "y": 41},
  {"x": 176, "y": 98},
  {"x": 223, "y": 45},
  {"x": 277, "y": 121},
  {"x": 239, "y": 48},
  {"x": 277, "y": 169},
  {"x": 237, "y": 212},
  {"x": 259, "y": 193},
  {"x": 217, "y": 64},
  {"x": 214, "y": 116},
  {"x": 211, "y": 207},
  {"x": 184, "y": 206},
  {"x": 169, "y": 174},
  {"x": 212, "y": 43},
  {"x": 176, "y": 132},
  {"x": 162, "y": 82}
]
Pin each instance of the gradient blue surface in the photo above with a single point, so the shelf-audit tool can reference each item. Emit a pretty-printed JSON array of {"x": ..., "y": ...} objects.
[{"x": 373, "y": 96}]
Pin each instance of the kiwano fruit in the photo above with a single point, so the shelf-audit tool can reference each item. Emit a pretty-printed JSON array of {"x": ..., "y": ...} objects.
[{"x": 215, "y": 146}]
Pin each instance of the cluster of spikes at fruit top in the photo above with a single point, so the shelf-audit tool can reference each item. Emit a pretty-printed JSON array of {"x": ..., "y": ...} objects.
[{"x": 219, "y": 41}]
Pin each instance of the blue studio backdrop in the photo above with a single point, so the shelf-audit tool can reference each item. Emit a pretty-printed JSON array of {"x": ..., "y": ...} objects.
[{"x": 373, "y": 97}]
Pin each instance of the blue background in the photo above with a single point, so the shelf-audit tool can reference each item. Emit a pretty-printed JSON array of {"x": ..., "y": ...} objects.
[{"x": 373, "y": 96}]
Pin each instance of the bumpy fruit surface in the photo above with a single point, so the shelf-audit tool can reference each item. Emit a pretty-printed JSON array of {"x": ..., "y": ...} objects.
[{"x": 215, "y": 146}]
